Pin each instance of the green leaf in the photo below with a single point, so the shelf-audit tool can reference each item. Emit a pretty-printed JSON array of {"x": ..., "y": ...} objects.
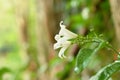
[
  {"x": 85, "y": 55},
  {"x": 106, "y": 72},
  {"x": 83, "y": 58}
]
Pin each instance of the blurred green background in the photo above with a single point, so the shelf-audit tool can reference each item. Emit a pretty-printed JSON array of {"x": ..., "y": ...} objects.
[{"x": 27, "y": 30}]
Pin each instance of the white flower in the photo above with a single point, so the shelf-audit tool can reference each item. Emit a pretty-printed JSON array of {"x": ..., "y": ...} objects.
[{"x": 63, "y": 39}]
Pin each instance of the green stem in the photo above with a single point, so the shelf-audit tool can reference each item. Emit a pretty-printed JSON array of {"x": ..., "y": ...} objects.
[
  {"x": 96, "y": 39},
  {"x": 110, "y": 46}
]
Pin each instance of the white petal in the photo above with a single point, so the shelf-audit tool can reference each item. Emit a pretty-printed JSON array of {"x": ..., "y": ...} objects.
[
  {"x": 57, "y": 37},
  {"x": 62, "y": 40},
  {"x": 57, "y": 45},
  {"x": 64, "y": 56},
  {"x": 67, "y": 33},
  {"x": 61, "y": 53},
  {"x": 62, "y": 50},
  {"x": 61, "y": 24},
  {"x": 66, "y": 44}
]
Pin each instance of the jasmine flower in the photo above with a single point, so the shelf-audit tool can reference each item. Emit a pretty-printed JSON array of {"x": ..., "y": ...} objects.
[{"x": 63, "y": 39}]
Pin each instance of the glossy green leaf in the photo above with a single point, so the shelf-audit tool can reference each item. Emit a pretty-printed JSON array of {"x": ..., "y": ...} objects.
[
  {"x": 83, "y": 58},
  {"x": 85, "y": 55},
  {"x": 106, "y": 72}
]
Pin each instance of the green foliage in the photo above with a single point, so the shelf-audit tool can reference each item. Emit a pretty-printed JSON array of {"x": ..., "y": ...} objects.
[
  {"x": 12, "y": 56},
  {"x": 93, "y": 43},
  {"x": 67, "y": 69},
  {"x": 106, "y": 72},
  {"x": 83, "y": 58},
  {"x": 99, "y": 16},
  {"x": 13, "y": 59},
  {"x": 3, "y": 71}
]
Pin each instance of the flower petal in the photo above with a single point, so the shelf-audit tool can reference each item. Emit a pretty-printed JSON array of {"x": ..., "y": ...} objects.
[
  {"x": 65, "y": 32},
  {"x": 69, "y": 33},
  {"x": 61, "y": 53},
  {"x": 61, "y": 24},
  {"x": 62, "y": 40},
  {"x": 57, "y": 37},
  {"x": 57, "y": 45}
]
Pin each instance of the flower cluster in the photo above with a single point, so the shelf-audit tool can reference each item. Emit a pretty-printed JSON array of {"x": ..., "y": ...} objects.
[{"x": 63, "y": 39}]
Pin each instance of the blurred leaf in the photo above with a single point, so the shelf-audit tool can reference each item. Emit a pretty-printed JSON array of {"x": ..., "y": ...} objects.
[
  {"x": 3, "y": 71},
  {"x": 106, "y": 72},
  {"x": 105, "y": 6},
  {"x": 65, "y": 73}
]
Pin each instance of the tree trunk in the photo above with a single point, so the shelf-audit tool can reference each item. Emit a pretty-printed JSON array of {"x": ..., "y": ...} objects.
[
  {"x": 28, "y": 50},
  {"x": 115, "y": 8},
  {"x": 45, "y": 30}
]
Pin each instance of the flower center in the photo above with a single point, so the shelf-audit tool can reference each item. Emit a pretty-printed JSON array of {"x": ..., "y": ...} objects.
[{"x": 61, "y": 36}]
